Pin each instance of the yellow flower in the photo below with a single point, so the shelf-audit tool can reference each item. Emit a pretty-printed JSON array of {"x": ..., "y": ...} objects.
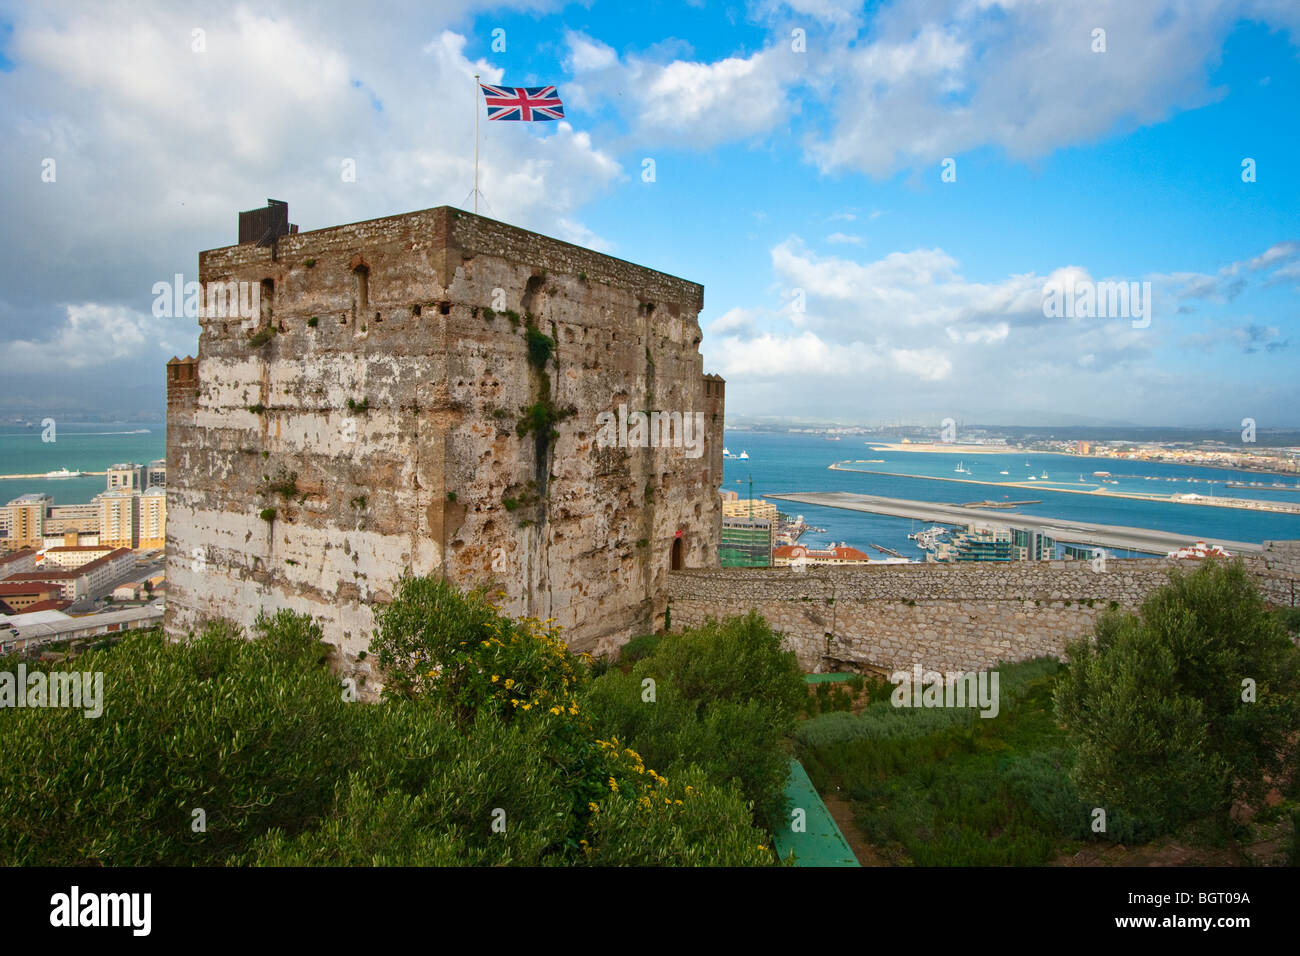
[
  {"x": 510, "y": 682},
  {"x": 593, "y": 808},
  {"x": 613, "y": 784},
  {"x": 526, "y": 706},
  {"x": 495, "y": 678},
  {"x": 763, "y": 848}
]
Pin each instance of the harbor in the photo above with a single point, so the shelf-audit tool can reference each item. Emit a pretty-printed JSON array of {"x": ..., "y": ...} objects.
[{"x": 1118, "y": 537}]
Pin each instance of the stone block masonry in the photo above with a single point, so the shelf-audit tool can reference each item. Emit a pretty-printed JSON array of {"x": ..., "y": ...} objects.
[
  {"x": 946, "y": 617},
  {"x": 389, "y": 411}
]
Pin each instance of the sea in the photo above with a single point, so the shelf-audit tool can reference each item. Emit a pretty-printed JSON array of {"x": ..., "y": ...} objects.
[
  {"x": 783, "y": 463},
  {"x": 77, "y": 446}
]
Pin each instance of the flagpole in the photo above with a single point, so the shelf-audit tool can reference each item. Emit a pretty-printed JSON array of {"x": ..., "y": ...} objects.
[{"x": 476, "y": 89}]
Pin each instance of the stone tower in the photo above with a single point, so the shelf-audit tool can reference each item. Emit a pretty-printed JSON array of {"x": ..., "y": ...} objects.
[{"x": 434, "y": 392}]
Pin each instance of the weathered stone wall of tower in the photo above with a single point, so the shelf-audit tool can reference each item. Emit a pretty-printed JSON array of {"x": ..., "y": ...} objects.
[{"x": 377, "y": 431}]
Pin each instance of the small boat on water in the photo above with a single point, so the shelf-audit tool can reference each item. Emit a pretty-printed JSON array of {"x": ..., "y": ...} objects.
[
  {"x": 744, "y": 455},
  {"x": 961, "y": 468},
  {"x": 725, "y": 452},
  {"x": 1044, "y": 475},
  {"x": 1004, "y": 472}
]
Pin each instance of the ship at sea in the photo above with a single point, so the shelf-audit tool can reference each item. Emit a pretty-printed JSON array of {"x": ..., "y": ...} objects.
[
  {"x": 63, "y": 473},
  {"x": 743, "y": 456},
  {"x": 725, "y": 452}
]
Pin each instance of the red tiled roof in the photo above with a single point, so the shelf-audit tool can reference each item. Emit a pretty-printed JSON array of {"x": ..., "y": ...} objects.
[
  {"x": 54, "y": 605},
  {"x": 839, "y": 553},
  {"x": 71, "y": 573},
  {"x": 21, "y": 585}
]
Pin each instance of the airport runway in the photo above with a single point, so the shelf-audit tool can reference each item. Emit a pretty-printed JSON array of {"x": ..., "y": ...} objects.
[{"x": 1067, "y": 531}]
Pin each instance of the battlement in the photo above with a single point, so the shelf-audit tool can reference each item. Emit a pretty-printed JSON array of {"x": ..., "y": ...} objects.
[
  {"x": 409, "y": 261},
  {"x": 182, "y": 380}
]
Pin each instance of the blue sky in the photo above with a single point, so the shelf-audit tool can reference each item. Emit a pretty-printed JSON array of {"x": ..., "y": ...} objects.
[{"x": 782, "y": 176}]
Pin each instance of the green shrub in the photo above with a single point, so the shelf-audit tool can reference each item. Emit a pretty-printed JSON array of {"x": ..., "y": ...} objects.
[
  {"x": 540, "y": 346},
  {"x": 1155, "y": 710},
  {"x": 726, "y": 698},
  {"x": 249, "y": 731},
  {"x": 638, "y": 647}
]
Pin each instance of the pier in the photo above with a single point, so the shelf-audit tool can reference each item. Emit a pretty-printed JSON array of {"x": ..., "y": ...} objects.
[
  {"x": 47, "y": 477},
  {"x": 1117, "y": 537}
]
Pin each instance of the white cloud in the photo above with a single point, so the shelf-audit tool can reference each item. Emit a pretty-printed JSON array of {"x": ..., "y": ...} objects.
[
  {"x": 94, "y": 335},
  {"x": 158, "y": 147},
  {"x": 844, "y": 239}
]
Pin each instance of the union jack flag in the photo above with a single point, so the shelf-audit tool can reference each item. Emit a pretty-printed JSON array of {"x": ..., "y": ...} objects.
[{"x": 527, "y": 103}]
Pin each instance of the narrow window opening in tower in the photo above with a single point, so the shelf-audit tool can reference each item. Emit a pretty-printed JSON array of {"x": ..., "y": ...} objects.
[
  {"x": 362, "y": 276},
  {"x": 268, "y": 300},
  {"x": 676, "y": 563}
]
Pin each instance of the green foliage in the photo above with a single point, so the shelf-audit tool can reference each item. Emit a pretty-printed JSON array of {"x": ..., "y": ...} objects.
[
  {"x": 710, "y": 829},
  {"x": 513, "y": 316},
  {"x": 258, "y": 409},
  {"x": 540, "y": 346},
  {"x": 250, "y": 731},
  {"x": 638, "y": 647},
  {"x": 267, "y": 514},
  {"x": 453, "y": 768},
  {"x": 540, "y": 419},
  {"x": 310, "y": 263},
  {"x": 510, "y": 504},
  {"x": 313, "y": 322},
  {"x": 262, "y": 336},
  {"x": 943, "y": 786},
  {"x": 1155, "y": 710},
  {"x": 284, "y": 484},
  {"x": 451, "y": 496},
  {"x": 435, "y": 643},
  {"x": 726, "y": 698},
  {"x": 360, "y": 407}
]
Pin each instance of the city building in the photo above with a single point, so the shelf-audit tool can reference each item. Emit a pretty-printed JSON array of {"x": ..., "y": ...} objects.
[
  {"x": 746, "y": 543},
  {"x": 119, "y": 518},
  {"x": 81, "y": 518},
  {"x": 1033, "y": 545},
  {"x": 68, "y": 558},
  {"x": 125, "y": 476},
  {"x": 88, "y": 580},
  {"x": 27, "y": 520},
  {"x": 21, "y": 595},
  {"x": 62, "y": 627},
  {"x": 749, "y": 508},
  {"x": 977, "y": 543},
  {"x": 151, "y": 518},
  {"x": 155, "y": 474},
  {"x": 70, "y": 539},
  {"x": 17, "y": 562}
]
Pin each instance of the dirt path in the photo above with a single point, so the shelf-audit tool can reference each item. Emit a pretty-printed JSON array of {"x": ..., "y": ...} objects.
[{"x": 842, "y": 812}]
